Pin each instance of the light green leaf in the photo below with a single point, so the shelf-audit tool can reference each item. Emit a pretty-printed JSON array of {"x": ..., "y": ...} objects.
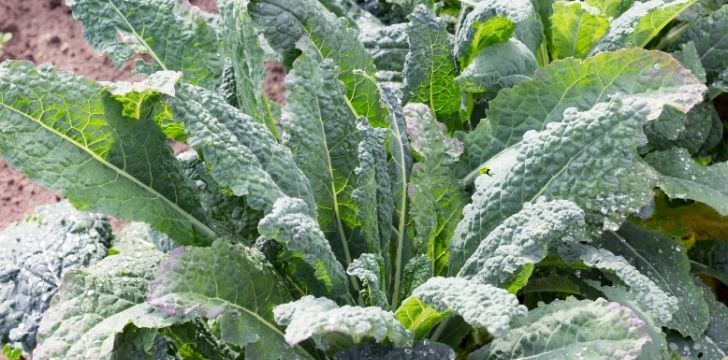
[
  {"x": 572, "y": 329},
  {"x": 242, "y": 154},
  {"x": 683, "y": 178},
  {"x": 321, "y": 132},
  {"x": 492, "y": 21},
  {"x": 241, "y": 45},
  {"x": 580, "y": 84},
  {"x": 284, "y": 22},
  {"x": 175, "y": 35},
  {"x": 232, "y": 284},
  {"x": 369, "y": 269},
  {"x": 611, "y": 8},
  {"x": 589, "y": 158},
  {"x": 482, "y": 306},
  {"x": 577, "y": 28},
  {"x": 419, "y": 317},
  {"x": 653, "y": 298},
  {"x": 430, "y": 70},
  {"x": 640, "y": 24},
  {"x": 709, "y": 35},
  {"x": 68, "y": 134},
  {"x": 323, "y": 321},
  {"x": 95, "y": 304},
  {"x": 436, "y": 196},
  {"x": 713, "y": 343},
  {"x": 523, "y": 240},
  {"x": 290, "y": 224},
  {"x": 373, "y": 194},
  {"x": 498, "y": 66},
  {"x": 664, "y": 261}
]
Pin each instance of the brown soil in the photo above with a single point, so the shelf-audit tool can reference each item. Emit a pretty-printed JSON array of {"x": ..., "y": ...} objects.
[{"x": 43, "y": 31}]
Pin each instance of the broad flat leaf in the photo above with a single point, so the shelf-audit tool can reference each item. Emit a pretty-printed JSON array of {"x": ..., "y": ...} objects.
[
  {"x": 597, "y": 168},
  {"x": 640, "y": 24},
  {"x": 497, "y": 16},
  {"x": 424, "y": 350},
  {"x": 436, "y": 195},
  {"x": 289, "y": 223},
  {"x": 577, "y": 27},
  {"x": 373, "y": 193},
  {"x": 242, "y": 154},
  {"x": 240, "y": 44},
  {"x": 66, "y": 133},
  {"x": 580, "y": 84},
  {"x": 611, "y": 8},
  {"x": 284, "y": 22},
  {"x": 232, "y": 284},
  {"x": 175, "y": 35},
  {"x": 664, "y": 261},
  {"x": 34, "y": 256},
  {"x": 323, "y": 321},
  {"x": 369, "y": 269},
  {"x": 480, "y": 305},
  {"x": 387, "y": 45},
  {"x": 498, "y": 66},
  {"x": 522, "y": 240},
  {"x": 572, "y": 329},
  {"x": 320, "y": 129},
  {"x": 710, "y": 36},
  {"x": 96, "y": 304},
  {"x": 430, "y": 70},
  {"x": 713, "y": 343},
  {"x": 711, "y": 255},
  {"x": 419, "y": 317},
  {"x": 683, "y": 178},
  {"x": 653, "y": 298}
]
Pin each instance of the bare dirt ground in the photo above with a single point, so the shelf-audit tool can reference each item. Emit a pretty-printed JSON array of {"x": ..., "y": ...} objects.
[{"x": 43, "y": 31}]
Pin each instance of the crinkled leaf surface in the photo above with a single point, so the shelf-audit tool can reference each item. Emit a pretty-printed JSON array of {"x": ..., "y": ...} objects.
[
  {"x": 589, "y": 158},
  {"x": 430, "y": 70},
  {"x": 528, "y": 28},
  {"x": 320, "y": 129},
  {"x": 523, "y": 240},
  {"x": 230, "y": 283},
  {"x": 689, "y": 57},
  {"x": 683, "y": 178},
  {"x": 95, "y": 304},
  {"x": 241, "y": 154},
  {"x": 709, "y": 35},
  {"x": 35, "y": 254},
  {"x": 138, "y": 236},
  {"x": 387, "y": 45},
  {"x": 611, "y": 8},
  {"x": 422, "y": 350},
  {"x": 369, "y": 269},
  {"x": 284, "y": 22},
  {"x": 322, "y": 320},
  {"x": 580, "y": 84},
  {"x": 68, "y": 134},
  {"x": 664, "y": 261},
  {"x": 698, "y": 131},
  {"x": 436, "y": 195},
  {"x": 290, "y": 224},
  {"x": 498, "y": 66},
  {"x": 480, "y": 305},
  {"x": 174, "y": 34},
  {"x": 576, "y": 28},
  {"x": 572, "y": 329},
  {"x": 653, "y": 298},
  {"x": 641, "y": 23}
]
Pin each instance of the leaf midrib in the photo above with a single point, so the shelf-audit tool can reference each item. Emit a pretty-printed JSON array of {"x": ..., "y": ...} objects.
[{"x": 198, "y": 224}]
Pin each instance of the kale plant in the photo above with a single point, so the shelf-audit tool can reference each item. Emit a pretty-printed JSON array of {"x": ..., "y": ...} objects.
[{"x": 494, "y": 179}]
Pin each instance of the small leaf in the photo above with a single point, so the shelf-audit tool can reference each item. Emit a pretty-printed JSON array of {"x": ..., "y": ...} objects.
[
  {"x": 577, "y": 28},
  {"x": 369, "y": 269},
  {"x": 418, "y": 316},
  {"x": 499, "y": 66}
]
